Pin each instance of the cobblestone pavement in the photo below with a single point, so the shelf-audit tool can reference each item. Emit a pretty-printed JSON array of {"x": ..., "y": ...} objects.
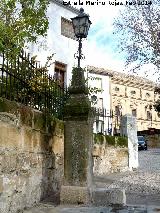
[
  {"x": 47, "y": 208},
  {"x": 142, "y": 186},
  {"x": 142, "y": 189},
  {"x": 149, "y": 160}
]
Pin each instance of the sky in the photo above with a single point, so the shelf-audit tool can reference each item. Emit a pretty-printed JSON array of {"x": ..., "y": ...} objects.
[
  {"x": 101, "y": 42},
  {"x": 102, "y": 50}
]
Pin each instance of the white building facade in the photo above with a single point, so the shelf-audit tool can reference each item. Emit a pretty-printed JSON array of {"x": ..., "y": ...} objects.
[
  {"x": 101, "y": 99},
  {"x": 60, "y": 41}
]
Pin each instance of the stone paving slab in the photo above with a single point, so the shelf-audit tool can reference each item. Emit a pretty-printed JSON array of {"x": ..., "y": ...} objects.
[
  {"x": 44, "y": 208},
  {"x": 142, "y": 186},
  {"x": 111, "y": 210},
  {"x": 140, "y": 199}
]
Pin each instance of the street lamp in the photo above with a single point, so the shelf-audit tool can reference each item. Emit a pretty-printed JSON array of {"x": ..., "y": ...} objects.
[{"x": 81, "y": 25}]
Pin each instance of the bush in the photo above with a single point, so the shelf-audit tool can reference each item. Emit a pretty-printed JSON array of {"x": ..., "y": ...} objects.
[
  {"x": 98, "y": 138},
  {"x": 122, "y": 141},
  {"x": 110, "y": 140}
]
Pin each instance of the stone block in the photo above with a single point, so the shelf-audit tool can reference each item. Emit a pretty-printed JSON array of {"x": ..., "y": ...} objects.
[
  {"x": 104, "y": 197},
  {"x": 1, "y": 185},
  {"x": 28, "y": 160},
  {"x": 10, "y": 136},
  {"x": 96, "y": 151},
  {"x": 5, "y": 203},
  {"x": 57, "y": 144},
  {"x": 114, "y": 160},
  {"x": 74, "y": 195}
]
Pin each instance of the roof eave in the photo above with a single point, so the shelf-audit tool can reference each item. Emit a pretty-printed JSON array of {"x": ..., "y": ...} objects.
[{"x": 71, "y": 8}]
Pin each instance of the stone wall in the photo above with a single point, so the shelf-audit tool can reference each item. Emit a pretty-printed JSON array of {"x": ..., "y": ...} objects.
[
  {"x": 31, "y": 157},
  {"x": 153, "y": 141},
  {"x": 109, "y": 159}
]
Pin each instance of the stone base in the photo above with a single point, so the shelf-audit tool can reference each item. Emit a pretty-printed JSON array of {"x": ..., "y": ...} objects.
[
  {"x": 74, "y": 195},
  {"x": 105, "y": 197}
]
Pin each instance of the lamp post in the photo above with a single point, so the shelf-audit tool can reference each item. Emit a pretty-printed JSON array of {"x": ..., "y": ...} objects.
[
  {"x": 81, "y": 25},
  {"x": 78, "y": 128}
]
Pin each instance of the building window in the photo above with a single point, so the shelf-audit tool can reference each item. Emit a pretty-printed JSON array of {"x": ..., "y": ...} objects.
[
  {"x": 99, "y": 126},
  {"x": 100, "y": 103},
  {"x": 133, "y": 92},
  {"x": 134, "y": 112},
  {"x": 149, "y": 115},
  {"x": 59, "y": 73},
  {"x": 67, "y": 28},
  {"x": 99, "y": 83},
  {"x": 116, "y": 89}
]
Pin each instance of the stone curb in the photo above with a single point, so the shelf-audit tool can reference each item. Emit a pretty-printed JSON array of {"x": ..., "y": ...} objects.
[{"x": 105, "y": 197}]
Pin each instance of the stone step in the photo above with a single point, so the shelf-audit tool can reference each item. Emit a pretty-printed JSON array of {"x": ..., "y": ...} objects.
[{"x": 105, "y": 197}]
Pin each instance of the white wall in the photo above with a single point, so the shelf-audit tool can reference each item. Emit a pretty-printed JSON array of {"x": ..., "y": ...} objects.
[
  {"x": 102, "y": 82},
  {"x": 63, "y": 47}
]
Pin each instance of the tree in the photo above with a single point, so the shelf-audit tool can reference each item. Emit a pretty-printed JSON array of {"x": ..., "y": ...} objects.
[
  {"x": 138, "y": 29},
  {"x": 25, "y": 81},
  {"x": 21, "y": 22},
  {"x": 22, "y": 79}
]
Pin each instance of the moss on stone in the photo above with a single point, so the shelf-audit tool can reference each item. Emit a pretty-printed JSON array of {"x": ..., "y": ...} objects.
[
  {"x": 56, "y": 126},
  {"x": 117, "y": 141},
  {"x": 78, "y": 85},
  {"x": 29, "y": 134},
  {"x": 126, "y": 151},
  {"x": 60, "y": 124},
  {"x": 77, "y": 155},
  {"x": 110, "y": 140},
  {"x": 99, "y": 138},
  {"x": 26, "y": 115},
  {"x": 122, "y": 141},
  {"x": 39, "y": 121},
  {"x": 3, "y": 105},
  {"x": 32, "y": 118},
  {"x": 77, "y": 105},
  {"x": 16, "y": 109},
  {"x": 8, "y": 106}
]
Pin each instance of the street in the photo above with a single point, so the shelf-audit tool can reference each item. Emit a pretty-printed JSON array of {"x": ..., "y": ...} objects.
[
  {"x": 149, "y": 160},
  {"x": 142, "y": 186},
  {"x": 142, "y": 189}
]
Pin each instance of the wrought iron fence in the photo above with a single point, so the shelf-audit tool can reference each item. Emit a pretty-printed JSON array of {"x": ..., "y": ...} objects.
[
  {"x": 26, "y": 81},
  {"x": 110, "y": 121}
]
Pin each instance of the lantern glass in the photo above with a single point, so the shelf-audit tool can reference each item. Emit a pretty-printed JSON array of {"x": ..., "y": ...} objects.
[{"x": 81, "y": 25}]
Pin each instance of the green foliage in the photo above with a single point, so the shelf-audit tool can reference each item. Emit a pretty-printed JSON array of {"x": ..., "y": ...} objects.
[
  {"x": 78, "y": 84},
  {"x": 157, "y": 106},
  {"x": 98, "y": 138},
  {"x": 110, "y": 140},
  {"x": 92, "y": 90},
  {"x": 122, "y": 141},
  {"x": 21, "y": 22},
  {"x": 31, "y": 118},
  {"x": 29, "y": 84},
  {"x": 119, "y": 141},
  {"x": 79, "y": 78}
]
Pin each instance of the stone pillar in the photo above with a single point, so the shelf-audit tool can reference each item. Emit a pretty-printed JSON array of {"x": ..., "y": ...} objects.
[
  {"x": 129, "y": 129},
  {"x": 77, "y": 143}
]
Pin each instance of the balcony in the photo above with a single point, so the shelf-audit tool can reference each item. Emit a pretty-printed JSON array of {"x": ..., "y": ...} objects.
[{"x": 102, "y": 112}]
